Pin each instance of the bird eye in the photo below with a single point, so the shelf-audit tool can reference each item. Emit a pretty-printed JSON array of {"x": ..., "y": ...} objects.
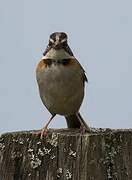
[
  {"x": 64, "y": 43},
  {"x": 51, "y": 41},
  {"x": 64, "y": 40}
]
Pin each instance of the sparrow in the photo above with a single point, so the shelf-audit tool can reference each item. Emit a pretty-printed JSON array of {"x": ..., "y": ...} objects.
[{"x": 61, "y": 82}]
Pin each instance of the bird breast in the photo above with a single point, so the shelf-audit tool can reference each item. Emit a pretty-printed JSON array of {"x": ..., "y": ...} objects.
[{"x": 61, "y": 88}]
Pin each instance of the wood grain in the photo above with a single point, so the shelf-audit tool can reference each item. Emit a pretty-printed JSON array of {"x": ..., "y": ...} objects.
[{"x": 65, "y": 154}]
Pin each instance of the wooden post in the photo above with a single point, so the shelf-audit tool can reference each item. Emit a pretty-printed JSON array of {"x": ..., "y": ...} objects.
[{"x": 65, "y": 154}]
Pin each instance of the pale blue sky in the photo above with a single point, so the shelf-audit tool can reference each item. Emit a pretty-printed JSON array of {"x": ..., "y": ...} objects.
[{"x": 100, "y": 35}]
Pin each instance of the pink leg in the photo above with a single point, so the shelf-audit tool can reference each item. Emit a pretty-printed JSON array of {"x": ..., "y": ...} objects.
[
  {"x": 44, "y": 130},
  {"x": 84, "y": 127}
]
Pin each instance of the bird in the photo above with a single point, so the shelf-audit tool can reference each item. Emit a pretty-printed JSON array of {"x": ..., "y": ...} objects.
[{"x": 61, "y": 82}]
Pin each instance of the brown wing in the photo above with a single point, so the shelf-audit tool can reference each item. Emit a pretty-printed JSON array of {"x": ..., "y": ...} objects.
[
  {"x": 85, "y": 79},
  {"x": 76, "y": 62},
  {"x": 84, "y": 76}
]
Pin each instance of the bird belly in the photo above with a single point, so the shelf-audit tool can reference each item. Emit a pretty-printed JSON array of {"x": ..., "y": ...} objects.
[{"x": 61, "y": 89}]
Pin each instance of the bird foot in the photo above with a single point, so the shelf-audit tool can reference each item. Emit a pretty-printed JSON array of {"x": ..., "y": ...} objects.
[
  {"x": 42, "y": 132},
  {"x": 84, "y": 130}
]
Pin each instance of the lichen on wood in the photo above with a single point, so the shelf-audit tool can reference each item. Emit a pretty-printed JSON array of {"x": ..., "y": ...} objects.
[{"x": 67, "y": 154}]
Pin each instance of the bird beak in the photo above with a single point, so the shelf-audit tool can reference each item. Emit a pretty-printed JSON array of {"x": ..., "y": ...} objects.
[{"x": 57, "y": 44}]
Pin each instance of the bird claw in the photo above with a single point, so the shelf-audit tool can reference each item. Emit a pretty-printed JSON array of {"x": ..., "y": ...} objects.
[
  {"x": 41, "y": 133},
  {"x": 83, "y": 129}
]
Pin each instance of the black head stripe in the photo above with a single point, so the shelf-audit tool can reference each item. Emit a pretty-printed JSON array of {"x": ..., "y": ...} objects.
[
  {"x": 63, "y": 35},
  {"x": 53, "y": 36}
]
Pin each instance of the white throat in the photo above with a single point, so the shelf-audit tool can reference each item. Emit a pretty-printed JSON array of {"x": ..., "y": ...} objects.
[{"x": 57, "y": 54}]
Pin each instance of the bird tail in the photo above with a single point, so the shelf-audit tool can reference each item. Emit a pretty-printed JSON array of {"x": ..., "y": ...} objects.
[{"x": 76, "y": 121}]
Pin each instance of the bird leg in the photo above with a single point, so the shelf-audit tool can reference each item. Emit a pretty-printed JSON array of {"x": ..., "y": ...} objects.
[
  {"x": 44, "y": 130},
  {"x": 84, "y": 127}
]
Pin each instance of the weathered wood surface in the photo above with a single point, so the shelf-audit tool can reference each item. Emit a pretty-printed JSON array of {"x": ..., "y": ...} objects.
[{"x": 103, "y": 154}]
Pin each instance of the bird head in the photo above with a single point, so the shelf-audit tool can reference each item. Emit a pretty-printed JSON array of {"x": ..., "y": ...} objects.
[{"x": 58, "y": 40}]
